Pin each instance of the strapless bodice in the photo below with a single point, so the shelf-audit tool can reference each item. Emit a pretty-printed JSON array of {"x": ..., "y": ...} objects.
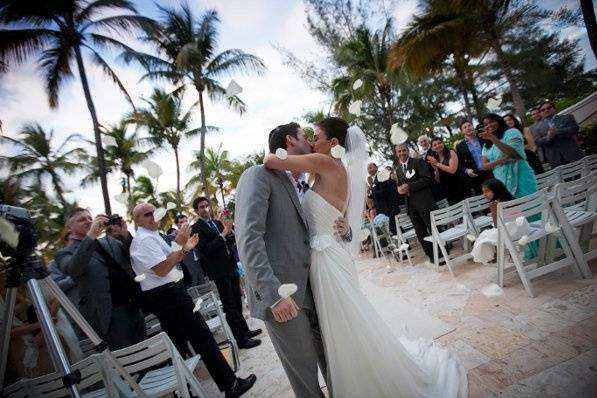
[{"x": 321, "y": 216}]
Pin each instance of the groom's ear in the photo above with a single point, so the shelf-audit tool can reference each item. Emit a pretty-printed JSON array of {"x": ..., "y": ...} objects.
[{"x": 289, "y": 141}]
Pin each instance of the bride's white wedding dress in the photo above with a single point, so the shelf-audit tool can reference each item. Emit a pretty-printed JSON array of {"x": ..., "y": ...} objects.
[{"x": 365, "y": 358}]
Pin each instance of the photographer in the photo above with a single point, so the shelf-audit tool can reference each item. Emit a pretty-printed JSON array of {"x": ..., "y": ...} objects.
[{"x": 109, "y": 296}]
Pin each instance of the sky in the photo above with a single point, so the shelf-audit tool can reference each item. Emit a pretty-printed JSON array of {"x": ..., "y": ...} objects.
[{"x": 277, "y": 97}]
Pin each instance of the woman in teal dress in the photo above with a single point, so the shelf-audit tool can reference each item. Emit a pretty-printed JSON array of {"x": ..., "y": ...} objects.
[{"x": 504, "y": 155}]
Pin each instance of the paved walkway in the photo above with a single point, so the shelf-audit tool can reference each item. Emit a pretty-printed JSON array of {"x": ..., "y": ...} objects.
[{"x": 511, "y": 345}]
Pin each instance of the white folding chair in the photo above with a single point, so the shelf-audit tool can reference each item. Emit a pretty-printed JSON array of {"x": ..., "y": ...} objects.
[
  {"x": 20, "y": 389},
  {"x": 575, "y": 206},
  {"x": 175, "y": 377},
  {"x": 476, "y": 211},
  {"x": 548, "y": 179},
  {"x": 152, "y": 325},
  {"x": 572, "y": 171},
  {"x": 405, "y": 233},
  {"x": 452, "y": 222},
  {"x": 590, "y": 164},
  {"x": 536, "y": 204},
  {"x": 442, "y": 203}
]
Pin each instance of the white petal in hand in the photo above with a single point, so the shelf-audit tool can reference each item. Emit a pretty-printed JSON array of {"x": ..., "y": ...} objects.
[
  {"x": 288, "y": 289},
  {"x": 197, "y": 306}
]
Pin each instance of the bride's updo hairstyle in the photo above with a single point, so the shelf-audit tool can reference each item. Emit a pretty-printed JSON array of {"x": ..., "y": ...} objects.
[{"x": 334, "y": 127}]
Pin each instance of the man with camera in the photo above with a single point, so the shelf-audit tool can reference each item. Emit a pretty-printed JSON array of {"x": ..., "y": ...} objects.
[{"x": 109, "y": 296}]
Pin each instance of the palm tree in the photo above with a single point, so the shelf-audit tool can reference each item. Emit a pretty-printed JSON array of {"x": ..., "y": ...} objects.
[
  {"x": 166, "y": 124},
  {"x": 59, "y": 32},
  {"x": 186, "y": 55},
  {"x": 217, "y": 167},
  {"x": 145, "y": 191},
  {"x": 37, "y": 158}
]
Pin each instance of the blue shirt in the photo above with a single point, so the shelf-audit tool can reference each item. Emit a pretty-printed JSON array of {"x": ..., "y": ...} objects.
[{"x": 475, "y": 147}]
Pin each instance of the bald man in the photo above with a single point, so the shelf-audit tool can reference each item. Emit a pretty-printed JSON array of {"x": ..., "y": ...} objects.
[{"x": 166, "y": 296}]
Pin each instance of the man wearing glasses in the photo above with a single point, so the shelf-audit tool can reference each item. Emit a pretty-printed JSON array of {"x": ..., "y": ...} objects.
[
  {"x": 556, "y": 135},
  {"x": 167, "y": 298}
]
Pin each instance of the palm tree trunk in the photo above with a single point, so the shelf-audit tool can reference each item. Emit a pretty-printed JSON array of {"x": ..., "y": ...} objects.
[
  {"x": 459, "y": 62},
  {"x": 96, "y": 131},
  {"x": 202, "y": 145},
  {"x": 58, "y": 188},
  {"x": 588, "y": 14},
  {"x": 221, "y": 183},
  {"x": 178, "y": 200}
]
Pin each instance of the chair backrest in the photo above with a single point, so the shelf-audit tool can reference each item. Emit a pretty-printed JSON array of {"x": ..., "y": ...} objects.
[
  {"x": 17, "y": 390},
  {"x": 152, "y": 325},
  {"x": 199, "y": 290},
  {"x": 529, "y": 205},
  {"x": 442, "y": 203},
  {"x": 548, "y": 179},
  {"x": 477, "y": 204},
  {"x": 572, "y": 171},
  {"x": 146, "y": 354},
  {"x": 590, "y": 164},
  {"x": 403, "y": 220},
  {"x": 449, "y": 215},
  {"x": 581, "y": 193}
]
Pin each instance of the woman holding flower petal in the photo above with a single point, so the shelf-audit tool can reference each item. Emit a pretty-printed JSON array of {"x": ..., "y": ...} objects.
[{"x": 364, "y": 357}]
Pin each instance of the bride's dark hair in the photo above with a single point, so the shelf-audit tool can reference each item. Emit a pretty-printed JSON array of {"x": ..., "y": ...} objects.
[{"x": 334, "y": 127}]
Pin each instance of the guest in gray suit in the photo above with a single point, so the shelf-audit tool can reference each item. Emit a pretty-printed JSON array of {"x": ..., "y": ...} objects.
[
  {"x": 273, "y": 244},
  {"x": 557, "y": 136},
  {"x": 108, "y": 293}
]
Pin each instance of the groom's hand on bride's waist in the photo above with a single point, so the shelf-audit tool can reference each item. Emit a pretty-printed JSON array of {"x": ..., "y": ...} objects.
[
  {"x": 285, "y": 310},
  {"x": 342, "y": 229}
]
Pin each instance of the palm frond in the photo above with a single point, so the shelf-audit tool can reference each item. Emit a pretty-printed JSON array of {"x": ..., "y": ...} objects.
[
  {"x": 234, "y": 60},
  {"x": 56, "y": 64},
  {"x": 99, "y": 7},
  {"x": 98, "y": 60},
  {"x": 16, "y": 45}
]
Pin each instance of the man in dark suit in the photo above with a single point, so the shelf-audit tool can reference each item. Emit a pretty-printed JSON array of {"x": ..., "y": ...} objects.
[
  {"x": 469, "y": 156},
  {"x": 190, "y": 265},
  {"x": 385, "y": 196},
  {"x": 216, "y": 243},
  {"x": 556, "y": 135},
  {"x": 109, "y": 297},
  {"x": 414, "y": 181}
]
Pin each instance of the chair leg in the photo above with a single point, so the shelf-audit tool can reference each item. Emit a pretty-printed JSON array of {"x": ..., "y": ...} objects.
[
  {"x": 573, "y": 251},
  {"x": 435, "y": 256},
  {"x": 518, "y": 263},
  {"x": 446, "y": 258},
  {"x": 501, "y": 260}
]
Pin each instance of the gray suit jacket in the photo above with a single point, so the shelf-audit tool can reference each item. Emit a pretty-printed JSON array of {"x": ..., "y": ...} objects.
[
  {"x": 563, "y": 145},
  {"x": 87, "y": 267},
  {"x": 272, "y": 237}
]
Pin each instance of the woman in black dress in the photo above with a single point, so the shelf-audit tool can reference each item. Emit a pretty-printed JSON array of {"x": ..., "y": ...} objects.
[
  {"x": 445, "y": 165},
  {"x": 530, "y": 148}
]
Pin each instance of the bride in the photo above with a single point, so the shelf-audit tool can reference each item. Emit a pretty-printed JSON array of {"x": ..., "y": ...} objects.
[{"x": 364, "y": 357}]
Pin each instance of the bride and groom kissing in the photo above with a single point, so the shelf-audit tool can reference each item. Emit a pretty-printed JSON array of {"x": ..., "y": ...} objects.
[{"x": 289, "y": 235}]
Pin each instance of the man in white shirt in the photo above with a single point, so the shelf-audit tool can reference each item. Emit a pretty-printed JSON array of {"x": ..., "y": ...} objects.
[{"x": 168, "y": 299}]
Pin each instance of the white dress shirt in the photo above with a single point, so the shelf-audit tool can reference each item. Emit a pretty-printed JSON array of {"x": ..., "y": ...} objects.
[
  {"x": 148, "y": 249},
  {"x": 301, "y": 179}
]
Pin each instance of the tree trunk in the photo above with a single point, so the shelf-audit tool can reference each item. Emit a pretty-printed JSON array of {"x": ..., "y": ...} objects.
[
  {"x": 478, "y": 105},
  {"x": 96, "y": 131},
  {"x": 58, "y": 188},
  {"x": 178, "y": 199},
  {"x": 202, "y": 146},
  {"x": 459, "y": 63},
  {"x": 221, "y": 183},
  {"x": 507, "y": 69},
  {"x": 588, "y": 13}
]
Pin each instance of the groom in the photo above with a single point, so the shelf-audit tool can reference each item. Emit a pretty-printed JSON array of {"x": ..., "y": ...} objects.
[{"x": 273, "y": 243}]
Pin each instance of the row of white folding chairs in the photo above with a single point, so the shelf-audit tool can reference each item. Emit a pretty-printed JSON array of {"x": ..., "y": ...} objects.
[
  {"x": 558, "y": 218},
  {"x": 572, "y": 171},
  {"x": 99, "y": 379}
]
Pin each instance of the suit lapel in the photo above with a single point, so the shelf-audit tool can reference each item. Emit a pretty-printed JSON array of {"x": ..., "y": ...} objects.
[
  {"x": 117, "y": 258},
  {"x": 292, "y": 192}
]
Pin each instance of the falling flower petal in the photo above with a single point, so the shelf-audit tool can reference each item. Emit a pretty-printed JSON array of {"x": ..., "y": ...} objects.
[
  {"x": 494, "y": 103},
  {"x": 471, "y": 237},
  {"x": 550, "y": 228},
  {"x": 524, "y": 240},
  {"x": 357, "y": 84},
  {"x": 170, "y": 206},
  {"x": 233, "y": 89},
  {"x": 153, "y": 169},
  {"x": 177, "y": 274},
  {"x": 410, "y": 174},
  {"x": 9, "y": 233},
  {"x": 404, "y": 246},
  {"x": 355, "y": 107},
  {"x": 140, "y": 278},
  {"x": 338, "y": 151},
  {"x": 383, "y": 175},
  {"x": 365, "y": 234},
  {"x": 397, "y": 135},
  {"x": 198, "y": 303},
  {"x": 491, "y": 290},
  {"x": 281, "y": 154},
  {"x": 286, "y": 290},
  {"x": 122, "y": 198},
  {"x": 159, "y": 213},
  {"x": 108, "y": 140}
]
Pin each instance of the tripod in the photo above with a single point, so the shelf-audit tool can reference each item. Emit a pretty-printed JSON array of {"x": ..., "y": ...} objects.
[{"x": 31, "y": 273}]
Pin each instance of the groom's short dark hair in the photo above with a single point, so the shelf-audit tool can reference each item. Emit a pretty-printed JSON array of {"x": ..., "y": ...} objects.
[{"x": 277, "y": 137}]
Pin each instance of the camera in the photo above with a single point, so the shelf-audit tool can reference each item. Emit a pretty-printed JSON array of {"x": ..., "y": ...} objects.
[{"x": 114, "y": 219}]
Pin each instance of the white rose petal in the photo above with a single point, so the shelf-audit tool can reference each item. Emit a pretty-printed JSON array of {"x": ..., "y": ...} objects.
[
  {"x": 550, "y": 228},
  {"x": 286, "y": 290},
  {"x": 397, "y": 135},
  {"x": 383, "y": 175},
  {"x": 494, "y": 103},
  {"x": 357, "y": 84},
  {"x": 491, "y": 290},
  {"x": 524, "y": 240},
  {"x": 197, "y": 306},
  {"x": 233, "y": 89},
  {"x": 170, "y": 206},
  {"x": 159, "y": 213},
  {"x": 281, "y": 154},
  {"x": 140, "y": 278},
  {"x": 9, "y": 233},
  {"x": 471, "y": 237},
  {"x": 338, "y": 151},
  {"x": 153, "y": 169},
  {"x": 404, "y": 246},
  {"x": 355, "y": 107},
  {"x": 177, "y": 274},
  {"x": 122, "y": 198},
  {"x": 520, "y": 221},
  {"x": 410, "y": 174},
  {"x": 108, "y": 140},
  {"x": 365, "y": 234}
]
